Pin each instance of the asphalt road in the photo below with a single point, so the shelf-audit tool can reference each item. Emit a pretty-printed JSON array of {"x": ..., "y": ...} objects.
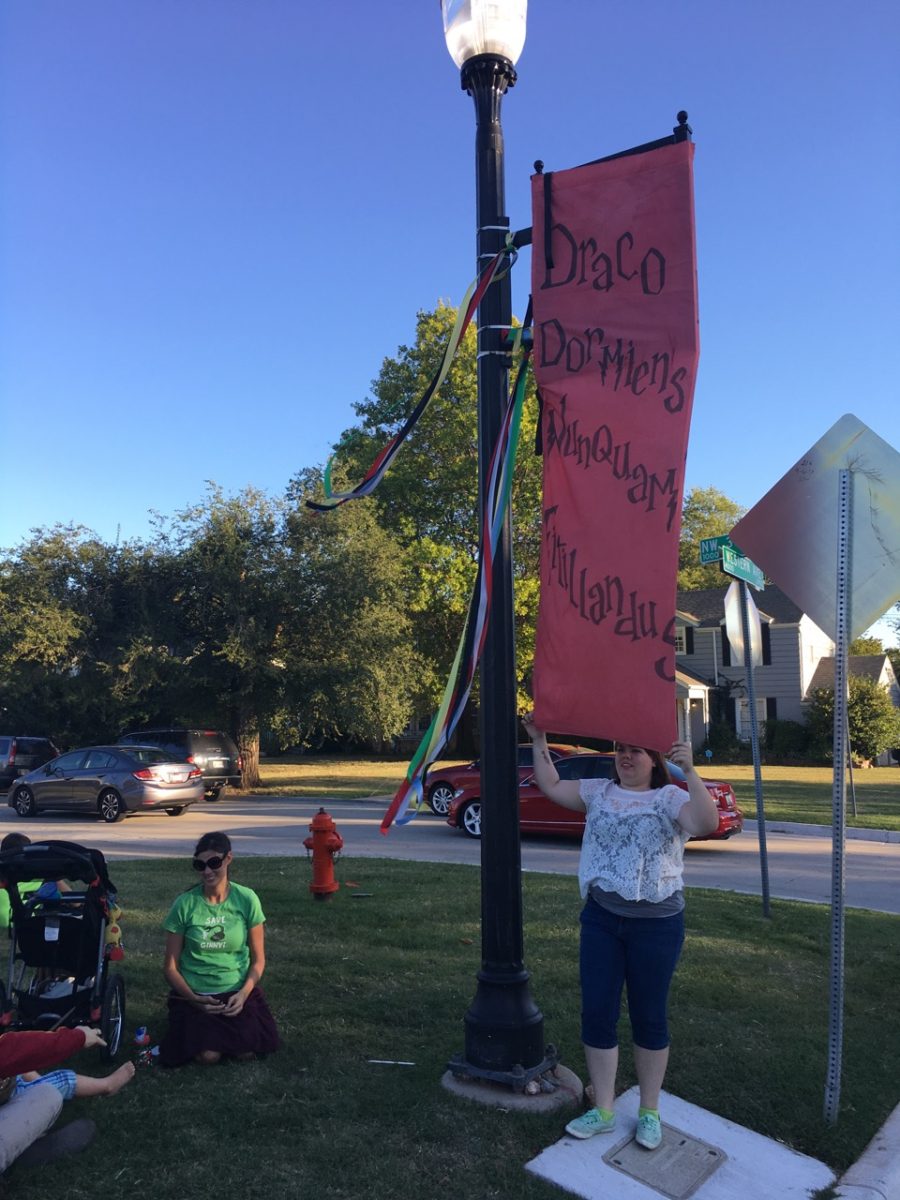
[{"x": 799, "y": 865}]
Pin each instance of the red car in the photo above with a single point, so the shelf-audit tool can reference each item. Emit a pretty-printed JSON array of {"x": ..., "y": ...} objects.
[
  {"x": 441, "y": 785},
  {"x": 537, "y": 814}
]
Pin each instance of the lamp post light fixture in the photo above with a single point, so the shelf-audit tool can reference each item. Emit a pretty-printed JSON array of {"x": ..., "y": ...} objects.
[{"x": 504, "y": 1029}]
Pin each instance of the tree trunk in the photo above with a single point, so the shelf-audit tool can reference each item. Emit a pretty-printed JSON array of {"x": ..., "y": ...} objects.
[{"x": 248, "y": 744}]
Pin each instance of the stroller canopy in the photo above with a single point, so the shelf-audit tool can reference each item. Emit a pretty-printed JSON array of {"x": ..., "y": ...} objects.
[{"x": 55, "y": 860}]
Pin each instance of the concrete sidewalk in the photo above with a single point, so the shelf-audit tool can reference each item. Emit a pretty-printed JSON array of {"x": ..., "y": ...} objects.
[{"x": 705, "y": 1157}]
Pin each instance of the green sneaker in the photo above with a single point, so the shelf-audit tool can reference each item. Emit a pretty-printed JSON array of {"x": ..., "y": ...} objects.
[
  {"x": 590, "y": 1123},
  {"x": 649, "y": 1132}
]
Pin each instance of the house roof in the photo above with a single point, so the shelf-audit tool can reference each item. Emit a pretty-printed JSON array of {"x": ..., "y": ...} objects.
[
  {"x": 690, "y": 678},
  {"x": 705, "y": 607},
  {"x": 866, "y": 666}
]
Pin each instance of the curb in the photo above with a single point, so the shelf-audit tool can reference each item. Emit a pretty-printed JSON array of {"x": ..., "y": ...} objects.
[
  {"x": 876, "y": 1173},
  {"x": 795, "y": 827}
]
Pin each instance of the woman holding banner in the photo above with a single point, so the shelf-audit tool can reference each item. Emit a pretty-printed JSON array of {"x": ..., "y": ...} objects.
[{"x": 632, "y": 924}]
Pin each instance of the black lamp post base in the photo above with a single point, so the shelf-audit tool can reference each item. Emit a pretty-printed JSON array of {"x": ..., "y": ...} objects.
[{"x": 516, "y": 1078}]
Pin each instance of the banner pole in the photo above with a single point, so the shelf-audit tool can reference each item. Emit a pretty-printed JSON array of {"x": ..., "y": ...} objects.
[
  {"x": 839, "y": 800},
  {"x": 754, "y": 745}
]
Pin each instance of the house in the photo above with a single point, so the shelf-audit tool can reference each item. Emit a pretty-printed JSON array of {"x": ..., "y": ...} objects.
[
  {"x": 711, "y": 684},
  {"x": 867, "y": 666}
]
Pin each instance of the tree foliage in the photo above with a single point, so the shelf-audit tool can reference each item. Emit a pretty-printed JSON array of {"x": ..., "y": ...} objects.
[
  {"x": 705, "y": 513},
  {"x": 874, "y": 721},
  {"x": 350, "y": 666},
  {"x": 428, "y": 502},
  {"x": 866, "y": 645}
]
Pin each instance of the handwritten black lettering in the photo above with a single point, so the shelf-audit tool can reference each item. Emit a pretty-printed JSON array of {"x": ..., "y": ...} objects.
[
  {"x": 646, "y": 490},
  {"x": 594, "y": 266}
]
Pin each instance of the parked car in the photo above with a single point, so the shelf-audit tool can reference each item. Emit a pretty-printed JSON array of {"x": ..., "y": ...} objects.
[
  {"x": 110, "y": 781},
  {"x": 537, "y": 814},
  {"x": 442, "y": 784},
  {"x": 210, "y": 749},
  {"x": 19, "y": 755}
]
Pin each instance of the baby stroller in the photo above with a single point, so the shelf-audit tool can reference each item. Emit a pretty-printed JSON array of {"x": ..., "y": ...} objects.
[{"x": 58, "y": 956}]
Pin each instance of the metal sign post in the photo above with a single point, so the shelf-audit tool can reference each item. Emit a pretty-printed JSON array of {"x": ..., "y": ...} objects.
[
  {"x": 839, "y": 801},
  {"x": 754, "y": 744}
]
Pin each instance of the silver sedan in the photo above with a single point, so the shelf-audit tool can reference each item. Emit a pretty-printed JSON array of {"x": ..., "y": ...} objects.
[{"x": 111, "y": 781}]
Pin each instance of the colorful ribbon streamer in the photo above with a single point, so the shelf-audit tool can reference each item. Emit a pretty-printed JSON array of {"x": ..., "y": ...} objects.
[
  {"x": 409, "y": 797},
  {"x": 386, "y": 455}
]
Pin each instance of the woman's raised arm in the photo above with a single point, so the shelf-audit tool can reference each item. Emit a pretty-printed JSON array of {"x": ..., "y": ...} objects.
[{"x": 566, "y": 792}]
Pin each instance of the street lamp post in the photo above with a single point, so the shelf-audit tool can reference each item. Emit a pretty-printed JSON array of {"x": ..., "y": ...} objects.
[{"x": 504, "y": 1029}]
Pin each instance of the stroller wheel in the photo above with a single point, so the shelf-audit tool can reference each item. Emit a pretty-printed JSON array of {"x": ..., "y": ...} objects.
[{"x": 112, "y": 1014}]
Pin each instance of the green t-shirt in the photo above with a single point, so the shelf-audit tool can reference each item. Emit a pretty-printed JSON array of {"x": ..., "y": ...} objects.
[
  {"x": 25, "y": 889},
  {"x": 216, "y": 955}
]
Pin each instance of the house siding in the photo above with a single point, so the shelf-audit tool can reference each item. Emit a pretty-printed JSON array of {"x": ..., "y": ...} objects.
[{"x": 796, "y": 648}]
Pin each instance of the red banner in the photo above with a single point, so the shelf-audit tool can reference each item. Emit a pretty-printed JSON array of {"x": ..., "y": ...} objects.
[{"x": 615, "y": 355}]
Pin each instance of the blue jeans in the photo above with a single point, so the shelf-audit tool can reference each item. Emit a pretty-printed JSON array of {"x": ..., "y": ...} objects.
[{"x": 639, "y": 952}]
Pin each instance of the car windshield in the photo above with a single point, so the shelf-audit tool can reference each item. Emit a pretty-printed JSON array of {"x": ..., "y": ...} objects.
[{"x": 149, "y": 754}]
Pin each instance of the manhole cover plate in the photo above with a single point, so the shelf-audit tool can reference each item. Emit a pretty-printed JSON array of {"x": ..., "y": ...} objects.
[{"x": 675, "y": 1169}]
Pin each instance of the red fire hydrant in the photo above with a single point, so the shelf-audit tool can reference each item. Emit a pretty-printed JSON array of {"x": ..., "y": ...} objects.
[{"x": 325, "y": 842}]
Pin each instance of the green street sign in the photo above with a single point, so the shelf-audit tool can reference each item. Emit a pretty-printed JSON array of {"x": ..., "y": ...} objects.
[
  {"x": 711, "y": 549},
  {"x": 737, "y": 564}
]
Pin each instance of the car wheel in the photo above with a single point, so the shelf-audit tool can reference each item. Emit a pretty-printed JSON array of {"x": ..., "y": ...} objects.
[
  {"x": 440, "y": 798},
  {"x": 110, "y": 806},
  {"x": 470, "y": 819},
  {"x": 213, "y": 794},
  {"x": 112, "y": 1015},
  {"x": 176, "y": 811},
  {"x": 23, "y": 802}
]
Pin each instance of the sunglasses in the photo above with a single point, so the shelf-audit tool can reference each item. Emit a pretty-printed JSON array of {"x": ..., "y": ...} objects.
[{"x": 211, "y": 864}]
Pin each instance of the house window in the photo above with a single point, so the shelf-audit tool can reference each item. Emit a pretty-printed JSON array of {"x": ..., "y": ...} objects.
[
  {"x": 771, "y": 708},
  {"x": 726, "y": 648},
  {"x": 684, "y": 640},
  {"x": 744, "y": 727},
  {"x": 766, "y": 644}
]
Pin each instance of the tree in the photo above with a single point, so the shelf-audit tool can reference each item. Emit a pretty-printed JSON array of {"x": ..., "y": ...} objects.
[
  {"x": 705, "y": 513},
  {"x": 428, "y": 501},
  {"x": 350, "y": 668},
  {"x": 76, "y": 624},
  {"x": 866, "y": 645},
  {"x": 874, "y": 721},
  {"x": 229, "y": 604}
]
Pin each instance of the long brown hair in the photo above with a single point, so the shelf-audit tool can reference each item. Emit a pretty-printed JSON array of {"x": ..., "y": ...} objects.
[{"x": 659, "y": 776}]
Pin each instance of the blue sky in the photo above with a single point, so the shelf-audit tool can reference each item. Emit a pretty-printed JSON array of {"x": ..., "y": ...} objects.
[{"x": 220, "y": 215}]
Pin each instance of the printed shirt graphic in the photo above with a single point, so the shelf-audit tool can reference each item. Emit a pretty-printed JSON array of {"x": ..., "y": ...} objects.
[
  {"x": 632, "y": 844},
  {"x": 216, "y": 956}
]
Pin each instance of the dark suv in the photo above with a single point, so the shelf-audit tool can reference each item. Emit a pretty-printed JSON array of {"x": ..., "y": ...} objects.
[
  {"x": 19, "y": 755},
  {"x": 209, "y": 749}
]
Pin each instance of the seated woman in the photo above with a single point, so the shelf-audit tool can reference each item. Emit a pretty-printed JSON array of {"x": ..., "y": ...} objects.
[{"x": 215, "y": 958}]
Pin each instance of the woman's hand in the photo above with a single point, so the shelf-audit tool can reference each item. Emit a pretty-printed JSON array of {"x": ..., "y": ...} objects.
[
  {"x": 529, "y": 726},
  {"x": 234, "y": 1004},
  {"x": 209, "y": 1004},
  {"x": 682, "y": 756},
  {"x": 91, "y": 1036}
]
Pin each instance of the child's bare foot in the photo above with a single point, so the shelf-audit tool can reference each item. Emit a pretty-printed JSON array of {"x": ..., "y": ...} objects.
[{"x": 119, "y": 1078}]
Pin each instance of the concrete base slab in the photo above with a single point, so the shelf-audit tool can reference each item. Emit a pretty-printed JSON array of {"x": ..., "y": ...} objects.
[
  {"x": 751, "y": 1165},
  {"x": 568, "y": 1093}
]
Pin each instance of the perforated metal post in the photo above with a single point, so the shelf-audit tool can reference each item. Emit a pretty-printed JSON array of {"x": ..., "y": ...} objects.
[
  {"x": 839, "y": 800},
  {"x": 754, "y": 745}
]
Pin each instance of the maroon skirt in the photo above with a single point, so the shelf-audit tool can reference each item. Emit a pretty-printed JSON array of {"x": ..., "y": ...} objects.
[{"x": 191, "y": 1030}]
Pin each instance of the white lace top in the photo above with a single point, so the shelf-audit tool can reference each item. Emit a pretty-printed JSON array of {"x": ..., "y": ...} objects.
[{"x": 632, "y": 841}]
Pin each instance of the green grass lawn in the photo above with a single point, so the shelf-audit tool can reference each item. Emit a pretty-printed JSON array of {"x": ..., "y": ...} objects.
[
  {"x": 789, "y": 793},
  {"x": 804, "y": 794},
  {"x": 390, "y": 976}
]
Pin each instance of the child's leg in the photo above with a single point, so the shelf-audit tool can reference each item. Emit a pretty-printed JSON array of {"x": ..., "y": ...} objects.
[
  {"x": 87, "y": 1085},
  {"x": 63, "y": 1081}
]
